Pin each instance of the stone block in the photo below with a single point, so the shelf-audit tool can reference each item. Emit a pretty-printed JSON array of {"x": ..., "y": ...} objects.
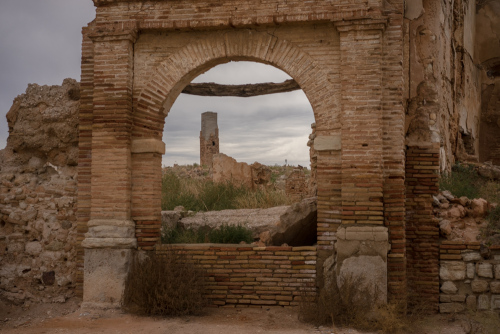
[
  {"x": 485, "y": 270},
  {"x": 444, "y": 298},
  {"x": 105, "y": 272},
  {"x": 458, "y": 298},
  {"x": 471, "y": 256},
  {"x": 471, "y": 302},
  {"x": 328, "y": 143},
  {"x": 495, "y": 287},
  {"x": 497, "y": 271},
  {"x": 471, "y": 270},
  {"x": 451, "y": 307},
  {"x": 483, "y": 302},
  {"x": 449, "y": 287},
  {"x": 452, "y": 270},
  {"x": 371, "y": 270},
  {"x": 479, "y": 286},
  {"x": 495, "y": 302}
]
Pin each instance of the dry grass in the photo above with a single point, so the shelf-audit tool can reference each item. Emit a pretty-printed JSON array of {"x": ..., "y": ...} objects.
[
  {"x": 262, "y": 199},
  {"x": 164, "y": 285},
  {"x": 206, "y": 195},
  {"x": 356, "y": 306}
]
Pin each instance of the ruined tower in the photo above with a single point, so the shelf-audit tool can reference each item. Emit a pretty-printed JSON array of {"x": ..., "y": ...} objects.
[{"x": 209, "y": 138}]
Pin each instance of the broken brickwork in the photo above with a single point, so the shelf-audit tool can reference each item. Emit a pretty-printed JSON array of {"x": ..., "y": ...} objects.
[{"x": 295, "y": 184}]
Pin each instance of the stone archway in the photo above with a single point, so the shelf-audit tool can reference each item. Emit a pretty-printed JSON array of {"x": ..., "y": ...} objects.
[{"x": 137, "y": 56}]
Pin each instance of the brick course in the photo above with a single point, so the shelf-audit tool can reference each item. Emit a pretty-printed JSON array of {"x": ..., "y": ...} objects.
[{"x": 246, "y": 276}]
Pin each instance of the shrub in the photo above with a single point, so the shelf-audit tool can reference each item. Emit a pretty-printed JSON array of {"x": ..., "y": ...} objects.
[
  {"x": 166, "y": 284},
  {"x": 224, "y": 234}
]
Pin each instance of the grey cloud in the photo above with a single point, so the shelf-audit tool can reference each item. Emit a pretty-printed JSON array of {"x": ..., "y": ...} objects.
[{"x": 41, "y": 43}]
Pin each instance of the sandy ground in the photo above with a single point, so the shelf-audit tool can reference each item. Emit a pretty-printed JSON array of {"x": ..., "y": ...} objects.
[{"x": 69, "y": 318}]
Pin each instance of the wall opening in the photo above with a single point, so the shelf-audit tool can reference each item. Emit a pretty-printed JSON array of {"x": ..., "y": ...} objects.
[{"x": 263, "y": 138}]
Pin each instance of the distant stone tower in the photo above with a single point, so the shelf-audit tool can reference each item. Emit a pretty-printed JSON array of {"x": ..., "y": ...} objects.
[{"x": 209, "y": 138}]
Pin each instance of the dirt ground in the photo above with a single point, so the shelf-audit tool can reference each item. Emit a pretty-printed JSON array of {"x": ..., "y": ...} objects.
[{"x": 69, "y": 318}]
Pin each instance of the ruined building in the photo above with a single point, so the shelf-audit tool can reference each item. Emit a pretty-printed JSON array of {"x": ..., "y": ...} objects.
[
  {"x": 400, "y": 90},
  {"x": 209, "y": 138}
]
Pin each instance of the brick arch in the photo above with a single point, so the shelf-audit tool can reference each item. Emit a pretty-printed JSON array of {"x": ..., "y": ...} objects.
[{"x": 173, "y": 74}]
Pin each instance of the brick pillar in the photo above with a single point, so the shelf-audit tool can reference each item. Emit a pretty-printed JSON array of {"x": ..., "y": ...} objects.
[
  {"x": 84, "y": 151},
  {"x": 110, "y": 237},
  {"x": 146, "y": 190},
  {"x": 422, "y": 231},
  {"x": 362, "y": 244},
  {"x": 362, "y": 160}
]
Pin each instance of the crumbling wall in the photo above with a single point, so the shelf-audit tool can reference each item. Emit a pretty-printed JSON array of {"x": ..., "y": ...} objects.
[
  {"x": 228, "y": 169},
  {"x": 452, "y": 87},
  {"x": 38, "y": 188},
  {"x": 487, "y": 53},
  {"x": 295, "y": 184},
  {"x": 444, "y": 82}
]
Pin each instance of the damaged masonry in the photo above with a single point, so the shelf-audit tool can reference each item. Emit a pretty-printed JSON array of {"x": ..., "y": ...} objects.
[{"x": 400, "y": 91}]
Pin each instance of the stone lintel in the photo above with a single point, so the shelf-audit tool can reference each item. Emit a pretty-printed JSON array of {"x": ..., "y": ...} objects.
[
  {"x": 111, "y": 222},
  {"x": 363, "y": 233},
  {"x": 148, "y": 146},
  {"x": 108, "y": 33},
  {"x": 328, "y": 143},
  {"x": 110, "y": 243},
  {"x": 362, "y": 24}
]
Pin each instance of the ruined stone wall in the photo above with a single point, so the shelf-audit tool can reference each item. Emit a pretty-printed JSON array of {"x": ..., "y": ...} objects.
[
  {"x": 38, "y": 189},
  {"x": 470, "y": 278}
]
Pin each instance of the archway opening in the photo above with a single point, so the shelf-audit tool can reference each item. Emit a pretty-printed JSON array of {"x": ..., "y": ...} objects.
[{"x": 263, "y": 139}]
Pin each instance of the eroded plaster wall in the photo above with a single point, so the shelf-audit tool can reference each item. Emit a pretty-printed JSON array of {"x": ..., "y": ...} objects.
[
  {"x": 38, "y": 189},
  {"x": 451, "y": 91}
]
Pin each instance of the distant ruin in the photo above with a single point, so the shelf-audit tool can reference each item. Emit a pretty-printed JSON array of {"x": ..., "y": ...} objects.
[
  {"x": 209, "y": 138},
  {"x": 400, "y": 91}
]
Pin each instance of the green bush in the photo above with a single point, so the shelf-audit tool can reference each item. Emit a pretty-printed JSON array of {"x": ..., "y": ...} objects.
[
  {"x": 225, "y": 234},
  {"x": 164, "y": 285}
]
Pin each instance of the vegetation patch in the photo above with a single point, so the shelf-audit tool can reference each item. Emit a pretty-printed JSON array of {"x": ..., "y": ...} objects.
[
  {"x": 165, "y": 285},
  {"x": 206, "y": 195},
  {"x": 465, "y": 181},
  {"x": 224, "y": 234}
]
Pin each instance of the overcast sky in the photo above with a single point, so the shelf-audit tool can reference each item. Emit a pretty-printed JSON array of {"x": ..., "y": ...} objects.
[{"x": 40, "y": 42}]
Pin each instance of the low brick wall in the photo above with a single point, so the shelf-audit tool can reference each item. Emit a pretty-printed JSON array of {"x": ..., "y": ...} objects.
[
  {"x": 467, "y": 279},
  {"x": 246, "y": 276}
]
